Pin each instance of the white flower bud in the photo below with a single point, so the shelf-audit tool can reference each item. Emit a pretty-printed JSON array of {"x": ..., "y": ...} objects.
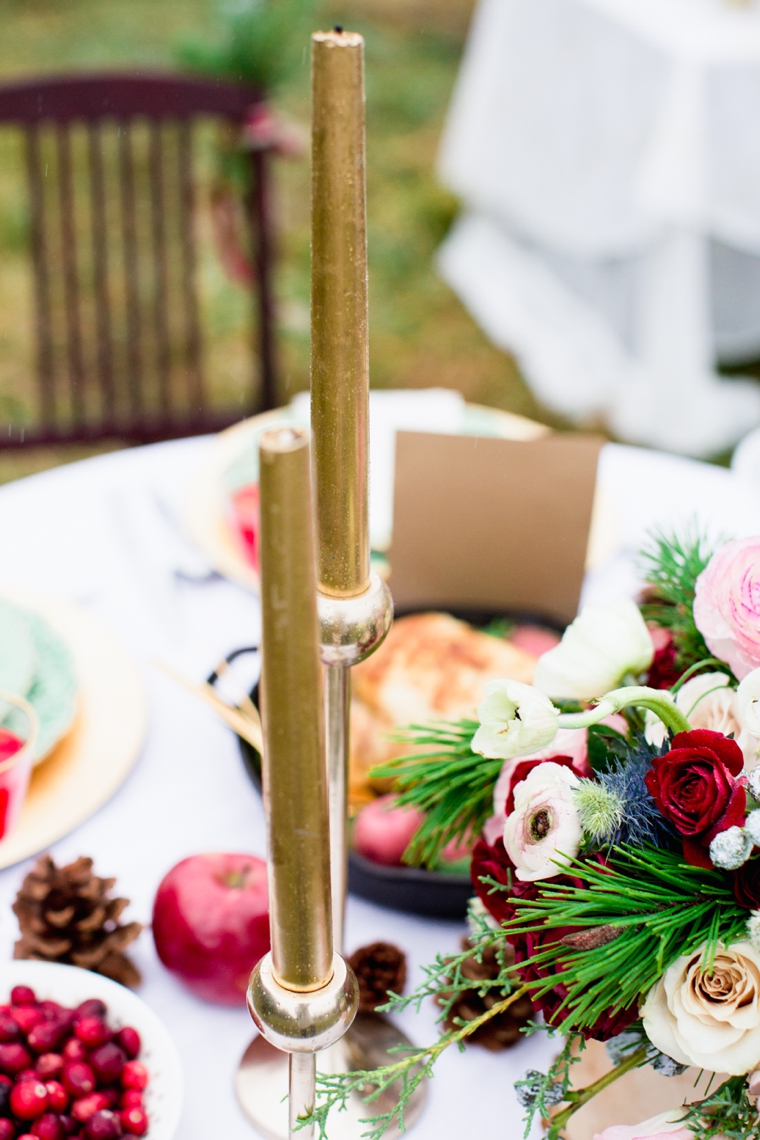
[
  {"x": 730, "y": 849},
  {"x": 753, "y": 930},
  {"x": 752, "y": 827},
  {"x": 603, "y": 644},
  {"x": 515, "y": 720}
]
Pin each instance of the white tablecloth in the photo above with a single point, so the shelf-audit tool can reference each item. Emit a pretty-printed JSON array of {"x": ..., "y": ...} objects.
[
  {"x": 606, "y": 153},
  {"x": 90, "y": 532}
]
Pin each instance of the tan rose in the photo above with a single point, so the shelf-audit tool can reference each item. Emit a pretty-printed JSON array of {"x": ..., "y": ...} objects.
[{"x": 709, "y": 1019}]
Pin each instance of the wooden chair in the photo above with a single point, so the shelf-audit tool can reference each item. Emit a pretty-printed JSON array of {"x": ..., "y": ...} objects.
[{"x": 114, "y": 254}]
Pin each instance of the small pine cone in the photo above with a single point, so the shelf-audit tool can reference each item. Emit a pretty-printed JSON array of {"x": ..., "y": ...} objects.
[
  {"x": 501, "y": 1031},
  {"x": 66, "y": 915},
  {"x": 380, "y": 969}
]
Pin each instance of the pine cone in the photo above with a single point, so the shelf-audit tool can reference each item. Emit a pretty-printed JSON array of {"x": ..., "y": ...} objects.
[
  {"x": 379, "y": 968},
  {"x": 65, "y": 915},
  {"x": 503, "y": 1030}
]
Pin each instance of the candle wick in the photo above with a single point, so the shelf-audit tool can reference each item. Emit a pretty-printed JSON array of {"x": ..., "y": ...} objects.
[{"x": 338, "y": 28}]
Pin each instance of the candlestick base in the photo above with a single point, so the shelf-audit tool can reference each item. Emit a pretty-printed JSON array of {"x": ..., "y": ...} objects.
[{"x": 261, "y": 1081}]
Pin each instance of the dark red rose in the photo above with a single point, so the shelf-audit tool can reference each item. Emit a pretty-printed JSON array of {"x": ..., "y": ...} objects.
[
  {"x": 663, "y": 672},
  {"x": 525, "y": 767},
  {"x": 746, "y": 884},
  {"x": 694, "y": 786},
  {"x": 494, "y": 863}
]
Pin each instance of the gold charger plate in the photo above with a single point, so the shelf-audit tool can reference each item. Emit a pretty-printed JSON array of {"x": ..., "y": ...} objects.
[{"x": 85, "y": 769}]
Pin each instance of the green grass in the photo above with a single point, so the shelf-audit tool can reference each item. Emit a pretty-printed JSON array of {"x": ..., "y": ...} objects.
[{"x": 420, "y": 333}]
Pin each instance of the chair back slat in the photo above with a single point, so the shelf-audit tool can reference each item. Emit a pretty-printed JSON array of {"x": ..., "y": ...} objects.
[
  {"x": 75, "y": 358},
  {"x": 111, "y": 183},
  {"x": 133, "y": 345},
  {"x": 99, "y": 234},
  {"x": 192, "y": 323},
  {"x": 45, "y": 356},
  {"x": 160, "y": 270}
]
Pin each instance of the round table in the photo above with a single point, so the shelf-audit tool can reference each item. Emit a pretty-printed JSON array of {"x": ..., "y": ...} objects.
[
  {"x": 605, "y": 154},
  {"x": 100, "y": 532}
]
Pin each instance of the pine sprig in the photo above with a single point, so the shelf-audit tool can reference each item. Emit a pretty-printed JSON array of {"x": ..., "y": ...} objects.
[
  {"x": 404, "y": 1076},
  {"x": 671, "y": 566},
  {"x": 539, "y": 1093},
  {"x": 662, "y": 907},
  {"x": 728, "y": 1113},
  {"x": 450, "y": 783}
]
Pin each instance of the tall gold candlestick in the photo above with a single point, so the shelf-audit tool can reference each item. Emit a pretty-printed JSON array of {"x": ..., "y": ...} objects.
[
  {"x": 339, "y": 344},
  {"x": 294, "y": 777}
]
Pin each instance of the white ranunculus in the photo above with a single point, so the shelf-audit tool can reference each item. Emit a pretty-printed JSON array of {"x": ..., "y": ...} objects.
[
  {"x": 748, "y": 707},
  {"x": 545, "y": 829},
  {"x": 515, "y": 720},
  {"x": 604, "y": 644},
  {"x": 708, "y": 1019}
]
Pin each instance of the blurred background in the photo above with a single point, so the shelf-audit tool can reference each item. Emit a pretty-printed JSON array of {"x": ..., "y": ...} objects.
[{"x": 421, "y": 334}]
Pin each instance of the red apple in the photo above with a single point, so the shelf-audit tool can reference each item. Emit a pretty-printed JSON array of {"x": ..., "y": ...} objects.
[
  {"x": 211, "y": 923},
  {"x": 382, "y": 831}
]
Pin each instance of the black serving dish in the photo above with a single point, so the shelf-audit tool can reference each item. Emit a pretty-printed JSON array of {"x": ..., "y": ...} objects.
[{"x": 412, "y": 889}]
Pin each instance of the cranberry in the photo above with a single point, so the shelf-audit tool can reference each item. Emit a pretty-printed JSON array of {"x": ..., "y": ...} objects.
[
  {"x": 26, "y": 1016},
  {"x": 46, "y": 1037},
  {"x": 104, "y": 1125},
  {"x": 57, "y": 1095},
  {"x": 28, "y": 1075},
  {"x": 9, "y": 1030},
  {"x": 92, "y": 1031},
  {"x": 134, "y": 1075},
  {"x": 78, "y": 1078},
  {"x": 134, "y": 1121},
  {"x": 111, "y": 1095},
  {"x": 48, "y": 1127},
  {"x": 23, "y": 995},
  {"x": 14, "y": 1058},
  {"x": 68, "y": 1124},
  {"x": 129, "y": 1039},
  {"x": 7, "y": 1130},
  {"x": 5, "y": 1098},
  {"x": 74, "y": 1050},
  {"x": 49, "y": 1065},
  {"x": 108, "y": 1060},
  {"x": 28, "y": 1099},
  {"x": 131, "y": 1098},
  {"x": 93, "y": 1007},
  {"x": 87, "y": 1106}
]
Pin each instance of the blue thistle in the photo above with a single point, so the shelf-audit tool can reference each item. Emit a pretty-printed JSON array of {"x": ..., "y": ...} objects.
[{"x": 641, "y": 821}]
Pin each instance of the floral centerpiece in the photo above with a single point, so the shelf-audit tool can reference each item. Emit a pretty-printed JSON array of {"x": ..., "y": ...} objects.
[{"x": 617, "y": 869}]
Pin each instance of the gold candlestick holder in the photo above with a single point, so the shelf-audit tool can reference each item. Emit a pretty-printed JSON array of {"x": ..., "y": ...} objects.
[{"x": 354, "y": 605}]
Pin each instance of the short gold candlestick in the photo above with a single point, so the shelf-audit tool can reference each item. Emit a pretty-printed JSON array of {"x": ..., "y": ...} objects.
[{"x": 302, "y": 996}]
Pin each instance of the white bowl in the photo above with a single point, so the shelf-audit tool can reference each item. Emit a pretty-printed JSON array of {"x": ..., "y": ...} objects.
[{"x": 70, "y": 986}]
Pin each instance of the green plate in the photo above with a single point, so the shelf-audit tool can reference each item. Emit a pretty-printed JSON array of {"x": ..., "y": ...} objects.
[{"x": 52, "y": 686}]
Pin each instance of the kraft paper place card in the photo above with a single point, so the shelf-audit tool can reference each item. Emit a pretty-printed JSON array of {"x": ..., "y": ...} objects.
[{"x": 492, "y": 524}]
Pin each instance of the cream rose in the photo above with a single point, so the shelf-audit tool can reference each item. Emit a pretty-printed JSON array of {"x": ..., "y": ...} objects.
[
  {"x": 544, "y": 830},
  {"x": 748, "y": 708},
  {"x": 709, "y": 1019}
]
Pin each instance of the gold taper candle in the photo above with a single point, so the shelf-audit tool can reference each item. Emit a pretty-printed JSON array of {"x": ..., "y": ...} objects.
[
  {"x": 294, "y": 776},
  {"x": 339, "y": 344}
]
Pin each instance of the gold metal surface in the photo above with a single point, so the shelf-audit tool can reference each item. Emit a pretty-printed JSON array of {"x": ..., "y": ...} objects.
[
  {"x": 293, "y": 770},
  {"x": 339, "y": 344},
  {"x": 262, "y": 1081}
]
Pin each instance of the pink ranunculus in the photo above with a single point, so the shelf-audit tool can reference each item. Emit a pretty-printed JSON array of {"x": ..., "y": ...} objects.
[
  {"x": 727, "y": 604},
  {"x": 570, "y": 742},
  {"x": 666, "y": 1126}
]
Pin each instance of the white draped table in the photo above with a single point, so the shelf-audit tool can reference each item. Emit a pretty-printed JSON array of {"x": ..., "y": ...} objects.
[
  {"x": 92, "y": 532},
  {"x": 607, "y": 156}
]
